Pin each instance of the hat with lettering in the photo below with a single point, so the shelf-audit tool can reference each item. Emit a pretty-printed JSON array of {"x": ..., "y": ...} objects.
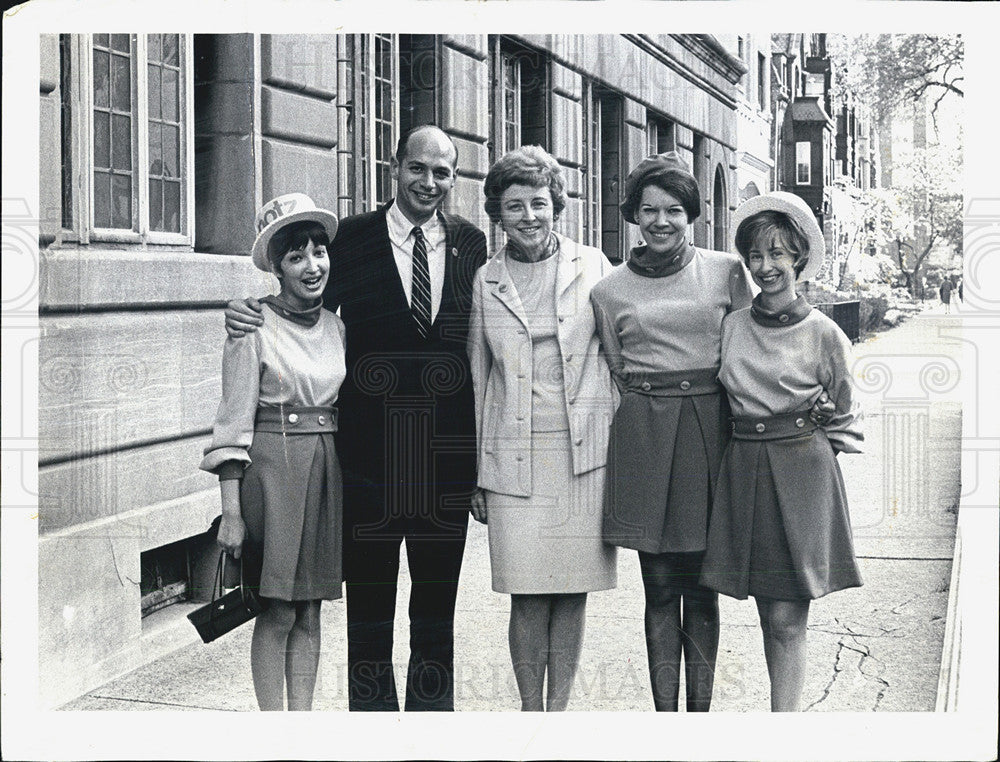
[
  {"x": 799, "y": 212},
  {"x": 284, "y": 210}
]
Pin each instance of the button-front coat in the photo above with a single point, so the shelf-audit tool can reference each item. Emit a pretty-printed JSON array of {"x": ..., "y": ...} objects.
[{"x": 500, "y": 352}]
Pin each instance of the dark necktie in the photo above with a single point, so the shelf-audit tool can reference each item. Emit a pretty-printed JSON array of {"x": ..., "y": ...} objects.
[{"x": 420, "y": 293}]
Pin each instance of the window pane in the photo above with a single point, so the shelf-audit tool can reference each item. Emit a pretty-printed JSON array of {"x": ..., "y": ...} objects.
[
  {"x": 102, "y": 79},
  {"x": 154, "y": 92},
  {"x": 101, "y": 39},
  {"x": 66, "y": 130},
  {"x": 170, "y": 99},
  {"x": 153, "y": 44},
  {"x": 121, "y": 201},
  {"x": 121, "y": 81},
  {"x": 155, "y": 204},
  {"x": 171, "y": 151},
  {"x": 172, "y": 206},
  {"x": 155, "y": 150},
  {"x": 120, "y": 42},
  {"x": 102, "y": 199},
  {"x": 102, "y": 139},
  {"x": 121, "y": 142},
  {"x": 170, "y": 42}
]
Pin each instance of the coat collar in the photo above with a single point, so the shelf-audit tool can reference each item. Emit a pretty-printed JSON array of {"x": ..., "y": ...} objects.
[{"x": 501, "y": 285}]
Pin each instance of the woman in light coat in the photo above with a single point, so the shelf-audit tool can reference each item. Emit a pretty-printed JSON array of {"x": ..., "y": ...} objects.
[{"x": 544, "y": 402}]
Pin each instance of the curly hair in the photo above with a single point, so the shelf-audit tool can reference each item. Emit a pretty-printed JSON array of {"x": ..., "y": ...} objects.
[
  {"x": 769, "y": 226},
  {"x": 528, "y": 165}
]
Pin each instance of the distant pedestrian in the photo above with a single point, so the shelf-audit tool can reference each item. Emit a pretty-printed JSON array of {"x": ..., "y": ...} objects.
[
  {"x": 945, "y": 293},
  {"x": 961, "y": 296},
  {"x": 273, "y": 450},
  {"x": 779, "y": 528}
]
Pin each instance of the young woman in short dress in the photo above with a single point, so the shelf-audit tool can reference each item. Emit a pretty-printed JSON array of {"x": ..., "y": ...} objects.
[
  {"x": 780, "y": 529},
  {"x": 659, "y": 318},
  {"x": 273, "y": 450}
]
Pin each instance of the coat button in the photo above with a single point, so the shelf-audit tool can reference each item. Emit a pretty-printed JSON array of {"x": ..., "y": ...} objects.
[
  {"x": 521, "y": 331},
  {"x": 293, "y": 417},
  {"x": 322, "y": 420},
  {"x": 572, "y": 400},
  {"x": 503, "y": 288},
  {"x": 646, "y": 386},
  {"x": 569, "y": 358},
  {"x": 521, "y": 375},
  {"x": 783, "y": 318},
  {"x": 520, "y": 418},
  {"x": 562, "y": 319},
  {"x": 685, "y": 385},
  {"x": 520, "y": 457},
  {"x": 578, "y": 442},
  {"x": 760, "y": 428},
  {"x": 799, "y": 422}
]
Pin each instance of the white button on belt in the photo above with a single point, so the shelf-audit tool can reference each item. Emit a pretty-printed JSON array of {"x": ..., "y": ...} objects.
[
  {"x": 799, "y": 422},
  {"x": 685, "y": 385},
  {"x": 646, "y": 386},
  {"x": 322, "y": 420},
  {"x": 760, "y": 428},
  {"x": 293, "y": 417}
]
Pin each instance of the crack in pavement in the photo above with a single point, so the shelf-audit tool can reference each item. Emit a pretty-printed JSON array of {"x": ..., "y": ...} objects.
[{"x": 863, "y": 667}]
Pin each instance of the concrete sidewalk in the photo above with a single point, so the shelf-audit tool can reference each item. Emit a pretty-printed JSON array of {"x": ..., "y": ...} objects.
[{"x": 874, "y": 648}]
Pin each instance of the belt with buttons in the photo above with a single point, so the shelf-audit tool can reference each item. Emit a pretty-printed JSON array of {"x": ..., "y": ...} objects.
[
  {"x": 290, "y": 419},
  {"x": 782, "y": 426},
  {"x": 674, "y": 383}
]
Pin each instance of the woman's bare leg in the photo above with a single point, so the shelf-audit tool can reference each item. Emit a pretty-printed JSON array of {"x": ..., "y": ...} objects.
[
  {"x": 566, "y": 626},
  {"x": 528, "y": 636},
  {"x": 302, "y": 659},
  {"x": 267, "y": 653},
  {"x": 784, "y": 626}
]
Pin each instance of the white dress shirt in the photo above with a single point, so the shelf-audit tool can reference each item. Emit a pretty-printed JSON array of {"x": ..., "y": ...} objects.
[{"x": 401, "y": 236}]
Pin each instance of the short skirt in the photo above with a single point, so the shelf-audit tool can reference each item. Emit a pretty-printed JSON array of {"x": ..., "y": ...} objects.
[
  {"x": 663, "y": 460},
  {"x": 780, "y": 527},
  {"x": 293, "y": 510},
  {"x": 551, "y": 542}
]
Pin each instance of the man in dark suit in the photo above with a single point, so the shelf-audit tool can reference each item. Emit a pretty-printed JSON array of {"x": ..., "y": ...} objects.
[{"x": 402, "y": 279}]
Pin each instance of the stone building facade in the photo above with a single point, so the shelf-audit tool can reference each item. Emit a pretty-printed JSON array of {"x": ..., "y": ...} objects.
[{"x": 156, "y": 151}]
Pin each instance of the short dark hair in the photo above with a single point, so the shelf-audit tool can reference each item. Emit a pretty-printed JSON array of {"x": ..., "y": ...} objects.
[
  {"x": 294, "y": 236},
  {"x": 528, "y": 165},
  {"x": 681, "y": 185},
  {"x": 768, "y": 225},
  {"x": 404, "y": 139}
]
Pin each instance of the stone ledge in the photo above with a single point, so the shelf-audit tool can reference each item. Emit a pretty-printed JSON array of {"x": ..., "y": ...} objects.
[{"x": 105, "y": 279}]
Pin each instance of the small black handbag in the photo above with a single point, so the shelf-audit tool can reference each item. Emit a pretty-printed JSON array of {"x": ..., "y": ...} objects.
[{"x": 226, "y": 612}]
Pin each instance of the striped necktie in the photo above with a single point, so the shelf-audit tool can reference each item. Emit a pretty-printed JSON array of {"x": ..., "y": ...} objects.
[{"x": 420, "y": 294}]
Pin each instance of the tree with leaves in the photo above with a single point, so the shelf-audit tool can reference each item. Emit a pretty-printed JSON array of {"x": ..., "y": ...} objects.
[
  {"x": 923, "y": 212},
  {"x": 887, "y": 70}
]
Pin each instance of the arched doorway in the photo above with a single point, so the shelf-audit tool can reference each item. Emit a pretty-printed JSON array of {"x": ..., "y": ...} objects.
[{"x": 720, "y": 206}]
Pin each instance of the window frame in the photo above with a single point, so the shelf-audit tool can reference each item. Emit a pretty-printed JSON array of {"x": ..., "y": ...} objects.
[
  {"x": 81, "y": 103},
  {"x": 799, "y": 163}
]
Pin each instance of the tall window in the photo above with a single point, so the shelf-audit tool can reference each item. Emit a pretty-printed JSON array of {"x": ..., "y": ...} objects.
[
  {"x": 520, "y": 103},
  {"x": 612, "y": 233},
  {"x": 803, "y": 162},
  {"x": 127, "y": 147},
  {"x": 659, "y": 135},
  {"x": 592, "y": 167},
  {"x": 369, "y": 118},
  {"x": 762, "y": 81}
]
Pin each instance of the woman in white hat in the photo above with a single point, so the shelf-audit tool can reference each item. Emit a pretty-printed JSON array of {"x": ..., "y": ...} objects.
[
  {"x": 779, "y": 528},
  {"x": 273, "y": 450},
  {"x": 659, "y": 319}
]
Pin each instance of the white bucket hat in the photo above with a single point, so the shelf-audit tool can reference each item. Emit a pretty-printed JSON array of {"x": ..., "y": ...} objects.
[
  {"x": 284, "y": 210},
  {"x": 799, "y": 211}
]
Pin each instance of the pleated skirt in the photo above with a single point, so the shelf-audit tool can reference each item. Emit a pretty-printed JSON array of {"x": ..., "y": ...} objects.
[
  {"x": 551, "y": 542},
  {"x": 663, "y": 459},
  {"x": 780, "y": 526},
  {"x": 291, "y": 499}
]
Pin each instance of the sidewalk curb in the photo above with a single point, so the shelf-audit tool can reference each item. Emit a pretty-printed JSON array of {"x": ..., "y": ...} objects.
[{"x": 951, "y": 649}]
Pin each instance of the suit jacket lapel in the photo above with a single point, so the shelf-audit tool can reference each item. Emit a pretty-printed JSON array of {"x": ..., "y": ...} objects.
[{"x": 384, "y": 259}]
